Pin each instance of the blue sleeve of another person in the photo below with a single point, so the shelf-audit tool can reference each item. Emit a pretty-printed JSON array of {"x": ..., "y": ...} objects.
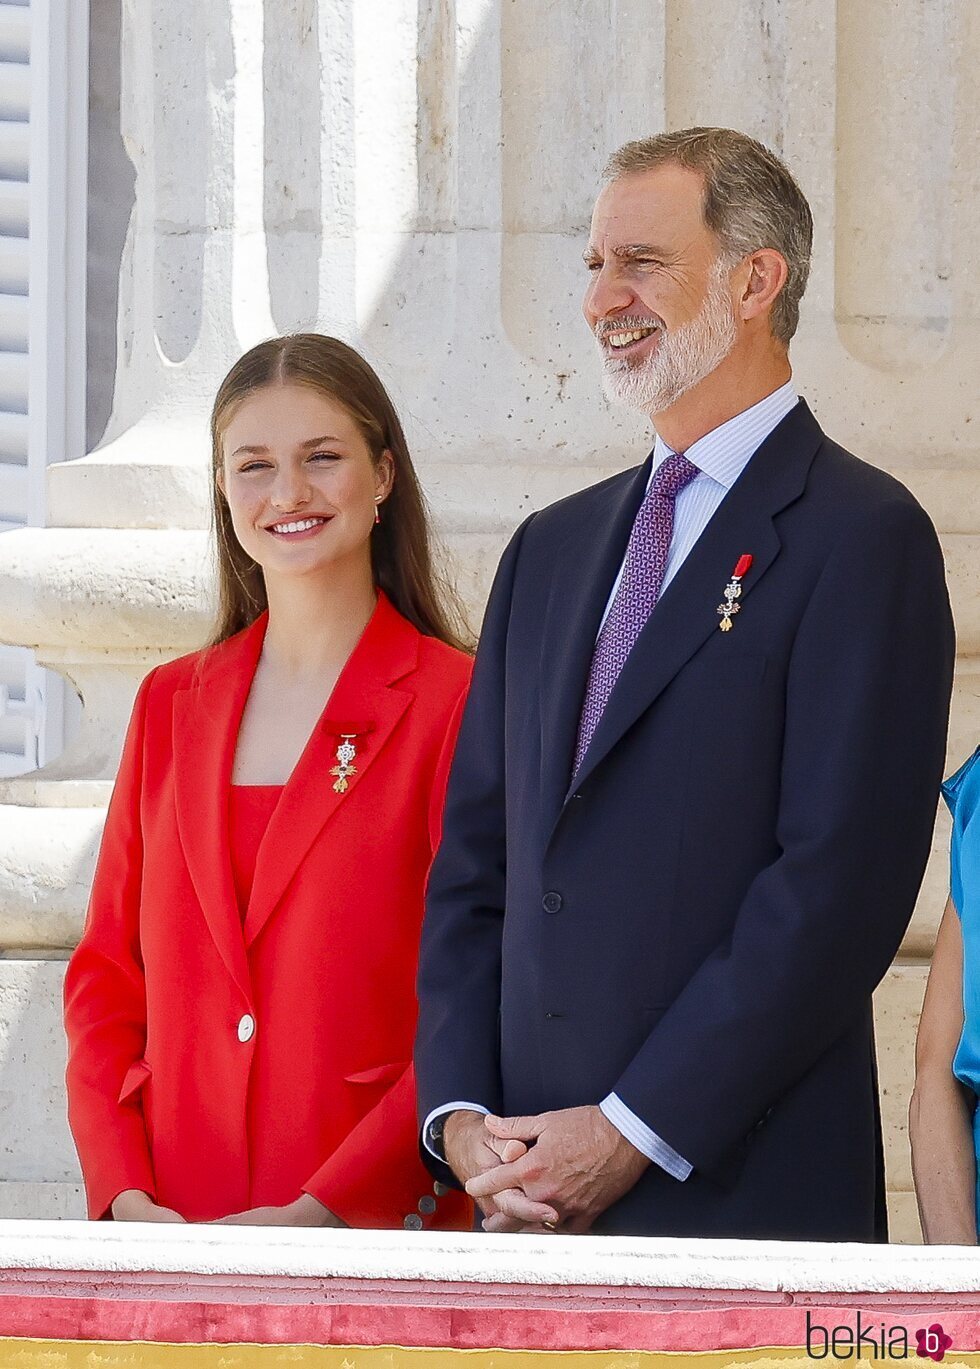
[{"x": 962, "y": 794}]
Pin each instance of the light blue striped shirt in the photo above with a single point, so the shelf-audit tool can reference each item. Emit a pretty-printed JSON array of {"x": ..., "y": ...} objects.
[{"x": 720, "y": 456}]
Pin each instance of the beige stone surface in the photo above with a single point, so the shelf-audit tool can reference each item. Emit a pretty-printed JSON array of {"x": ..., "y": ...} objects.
[
  {"x": 35, "y": 1144},
  {"x": 903, "y": 1218},
  {"x": 42, "y": 1202},
  {"x": 897, "y": 1006}
]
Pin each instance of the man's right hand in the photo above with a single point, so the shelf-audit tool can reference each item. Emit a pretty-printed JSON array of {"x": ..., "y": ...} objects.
[
  {"x": 471, "y": 1150},
  {"x": 133, "y": 1205}
]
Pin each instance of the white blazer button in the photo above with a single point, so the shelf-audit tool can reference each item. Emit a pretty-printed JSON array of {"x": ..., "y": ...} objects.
[
  {"x": 413, "y": 1222},
  {"x": 246, "y": 1028}
]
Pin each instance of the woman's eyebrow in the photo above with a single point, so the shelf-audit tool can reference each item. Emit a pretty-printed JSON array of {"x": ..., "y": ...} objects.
[{"x": 308, "y": 445}]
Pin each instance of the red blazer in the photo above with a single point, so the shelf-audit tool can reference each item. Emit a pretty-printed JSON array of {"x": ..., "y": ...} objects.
[{"x": 168, "y": 1089}]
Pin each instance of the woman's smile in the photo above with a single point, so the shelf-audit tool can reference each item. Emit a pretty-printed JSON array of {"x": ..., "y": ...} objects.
[{"x": 299, "y": 529}]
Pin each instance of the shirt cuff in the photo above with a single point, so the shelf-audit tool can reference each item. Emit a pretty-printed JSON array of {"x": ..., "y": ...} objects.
[
  {"x": 638, "y": 1134},
  {"x": 435, "y": 1147}
]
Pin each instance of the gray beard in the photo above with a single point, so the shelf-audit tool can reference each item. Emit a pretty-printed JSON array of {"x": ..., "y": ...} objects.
[{"x": 682, "y": 358}]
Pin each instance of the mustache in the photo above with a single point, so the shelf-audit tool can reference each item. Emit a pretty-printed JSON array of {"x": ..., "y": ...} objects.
[{"x": 626, "y": 324}]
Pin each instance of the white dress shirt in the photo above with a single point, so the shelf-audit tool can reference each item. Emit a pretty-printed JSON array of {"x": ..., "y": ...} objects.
[{"x": 720, "y": 456}]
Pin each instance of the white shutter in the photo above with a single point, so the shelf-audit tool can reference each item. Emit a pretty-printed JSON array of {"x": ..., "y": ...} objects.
[{"x": 43, "y": 170}]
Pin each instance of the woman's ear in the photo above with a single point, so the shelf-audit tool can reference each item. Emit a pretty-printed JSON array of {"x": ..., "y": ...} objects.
[
  {"x": 219, "y": 480},
  {"x": 384, "y": 474}
]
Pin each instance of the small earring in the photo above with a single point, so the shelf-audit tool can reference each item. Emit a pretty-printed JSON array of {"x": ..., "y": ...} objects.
[{"x": 377, "y": 513}]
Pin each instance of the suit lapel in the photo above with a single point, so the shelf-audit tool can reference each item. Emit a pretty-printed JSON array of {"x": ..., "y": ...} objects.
[
  {"x": 686, "y": 615},
  {"x": 586, "y": 569},
  {"x": 364, "y": 702},
  {"x": 206, "y": 720}
]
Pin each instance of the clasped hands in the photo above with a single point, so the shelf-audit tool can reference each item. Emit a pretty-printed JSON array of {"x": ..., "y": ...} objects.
[{"x": 557, "y": 1171}]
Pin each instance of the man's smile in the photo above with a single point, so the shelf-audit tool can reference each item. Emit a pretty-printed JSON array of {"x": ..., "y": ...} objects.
[{"x": 622, "y": 340}]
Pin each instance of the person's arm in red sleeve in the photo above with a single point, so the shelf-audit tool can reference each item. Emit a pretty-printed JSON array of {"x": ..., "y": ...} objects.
[
  {"x": 440, "y": 780},
  {"x": 375, "y": 1178},
  {"x": 105, "y": 1000}
]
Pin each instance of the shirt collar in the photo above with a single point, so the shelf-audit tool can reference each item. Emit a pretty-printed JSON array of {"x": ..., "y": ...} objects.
[{"x": 724, "y": 453}]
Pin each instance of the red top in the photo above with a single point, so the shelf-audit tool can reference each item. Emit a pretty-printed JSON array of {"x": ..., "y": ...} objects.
[{"x": 250, "y": 806}]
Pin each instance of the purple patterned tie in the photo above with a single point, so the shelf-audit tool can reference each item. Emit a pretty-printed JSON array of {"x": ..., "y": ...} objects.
[{"x": 638, "y": 592}]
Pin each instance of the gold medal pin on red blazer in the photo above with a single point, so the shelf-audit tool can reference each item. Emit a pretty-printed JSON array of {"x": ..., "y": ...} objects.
[{"x": 348, "y": 735}]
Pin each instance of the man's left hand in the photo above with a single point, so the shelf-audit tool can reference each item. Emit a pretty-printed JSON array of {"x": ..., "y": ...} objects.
[{"x": 577, "y": 1163}]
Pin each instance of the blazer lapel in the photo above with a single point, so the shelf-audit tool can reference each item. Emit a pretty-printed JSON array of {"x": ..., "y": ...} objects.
[
  {"x": 592, "y": 556},
  {"x": 364, "y": 702},
  {"x": 687, "y": 615},
  {"x": 206, "y": 720}
]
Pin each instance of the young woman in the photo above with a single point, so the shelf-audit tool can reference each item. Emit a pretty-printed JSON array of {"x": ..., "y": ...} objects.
[
  {"x": 944, "y": 1122},
  {"x": 241, "y": 1007}
]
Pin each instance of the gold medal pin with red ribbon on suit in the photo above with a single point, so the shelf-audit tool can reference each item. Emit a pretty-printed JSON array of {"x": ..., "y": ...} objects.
[{"x": 733, "y": 592}]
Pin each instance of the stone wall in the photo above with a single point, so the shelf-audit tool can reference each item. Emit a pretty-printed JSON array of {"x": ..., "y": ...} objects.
[
  {"x": 213, "y": 1297},
  {"x": 417, "y": 177}
]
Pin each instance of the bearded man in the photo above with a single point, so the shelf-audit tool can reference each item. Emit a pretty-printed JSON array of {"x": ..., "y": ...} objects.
[{"x": 696, "y": 779}]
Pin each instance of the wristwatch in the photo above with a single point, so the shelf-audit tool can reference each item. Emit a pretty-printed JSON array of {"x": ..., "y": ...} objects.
[{"x": 433, "y": 1135}]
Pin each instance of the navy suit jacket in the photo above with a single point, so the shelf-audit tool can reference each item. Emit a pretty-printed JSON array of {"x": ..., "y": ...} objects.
[{"x": 700, "y": 921}]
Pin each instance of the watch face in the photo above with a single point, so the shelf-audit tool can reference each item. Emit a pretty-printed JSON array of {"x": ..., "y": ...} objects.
[{"x": 434, "y": 1135}]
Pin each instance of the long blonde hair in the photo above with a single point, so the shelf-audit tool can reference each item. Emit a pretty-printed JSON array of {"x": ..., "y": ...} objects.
[{"x": 401, "y": 544}]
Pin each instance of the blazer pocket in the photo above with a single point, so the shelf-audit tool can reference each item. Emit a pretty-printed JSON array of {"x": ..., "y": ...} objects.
[
  {"x": 378, "y": 1074},
  {"x": 133, "y": 1080}
]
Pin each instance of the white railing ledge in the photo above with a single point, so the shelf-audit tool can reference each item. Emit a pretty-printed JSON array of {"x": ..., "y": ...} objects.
[{"x": 435, "y": 1257}]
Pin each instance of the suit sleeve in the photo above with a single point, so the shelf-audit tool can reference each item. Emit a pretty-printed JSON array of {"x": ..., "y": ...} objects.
[
  {"x": 105, "y": 999},
  {"x": 866, "y": 712},
  {"x": 456, "y": 1051}
]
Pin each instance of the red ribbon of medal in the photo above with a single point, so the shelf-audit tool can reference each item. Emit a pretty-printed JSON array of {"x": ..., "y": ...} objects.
[{"x": 733, "y": 592}]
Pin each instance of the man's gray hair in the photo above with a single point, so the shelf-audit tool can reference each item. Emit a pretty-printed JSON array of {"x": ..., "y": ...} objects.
[{"x": 751, "y": 201}]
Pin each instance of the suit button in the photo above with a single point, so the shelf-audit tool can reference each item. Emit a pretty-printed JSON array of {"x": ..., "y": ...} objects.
[
  {"x": 413, "y": 1222},
  {"x": 427, "y": 1206},
  {"x": 246, "y": 1028},
  {"x": 552, "y": 902},
  {"x": 440, "y": 1190}
]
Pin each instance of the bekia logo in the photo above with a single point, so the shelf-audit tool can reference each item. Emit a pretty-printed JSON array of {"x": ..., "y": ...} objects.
[
  {"x": 933, "y": 1342},
  {"x": 873, "y": 1340}
]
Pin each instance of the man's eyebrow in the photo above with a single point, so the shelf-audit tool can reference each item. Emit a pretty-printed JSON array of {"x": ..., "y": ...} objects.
[
  {"x": 638, "y": 249},
  {"x": 627, "y": 252}
]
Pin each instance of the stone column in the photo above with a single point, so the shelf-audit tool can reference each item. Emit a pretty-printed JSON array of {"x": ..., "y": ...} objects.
[
  {"x": 417, "y": 177},
  {"x": 119, "y": 579}
]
